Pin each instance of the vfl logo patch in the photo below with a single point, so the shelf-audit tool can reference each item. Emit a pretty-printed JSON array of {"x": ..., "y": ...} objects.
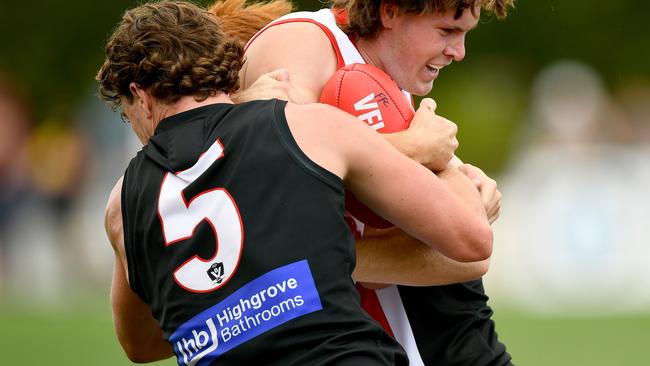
[
  {"x": 216, "y": 272},
  {"x": 266, "y": 302}
]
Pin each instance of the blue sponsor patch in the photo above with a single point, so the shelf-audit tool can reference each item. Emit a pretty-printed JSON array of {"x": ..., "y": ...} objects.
[{"x": 266, "y": 302}]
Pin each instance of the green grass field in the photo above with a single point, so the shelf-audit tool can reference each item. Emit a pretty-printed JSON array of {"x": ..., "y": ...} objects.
[
  {"x": 535, "y": 340},
  {"x": 82, "y": 334}
]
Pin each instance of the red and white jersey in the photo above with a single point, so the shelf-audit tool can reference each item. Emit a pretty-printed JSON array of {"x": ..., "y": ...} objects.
[
  {"x": 346, "y": 52},
  {"x": 383, "y": 305}
]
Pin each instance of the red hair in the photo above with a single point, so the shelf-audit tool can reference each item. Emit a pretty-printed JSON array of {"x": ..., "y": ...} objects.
[{"x": 242, "y": 21}]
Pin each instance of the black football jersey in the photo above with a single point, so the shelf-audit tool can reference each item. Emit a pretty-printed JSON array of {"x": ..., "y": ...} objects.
[{"x": 237, "y": 241}]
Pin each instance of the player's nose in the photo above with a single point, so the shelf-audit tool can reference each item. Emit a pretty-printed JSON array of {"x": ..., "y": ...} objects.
[{"x": 456, "y": 50}]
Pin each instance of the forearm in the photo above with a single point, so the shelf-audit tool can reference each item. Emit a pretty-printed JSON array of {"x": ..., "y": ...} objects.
[
  {"x": 404, "y": 144},
  {"x": 392, "y": 257},
  {"x": 462, "y": 187},
  {"x": 137, "y": 331}
]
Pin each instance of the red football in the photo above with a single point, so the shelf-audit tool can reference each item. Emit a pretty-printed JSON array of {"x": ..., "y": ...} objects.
[{"x": 372, "y": 96}]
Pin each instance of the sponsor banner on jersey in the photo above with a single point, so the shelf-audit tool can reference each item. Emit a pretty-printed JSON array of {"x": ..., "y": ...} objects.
[{"x": 266, "y": 302}]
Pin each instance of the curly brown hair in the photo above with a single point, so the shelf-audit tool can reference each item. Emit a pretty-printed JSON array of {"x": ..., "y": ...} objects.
[
  {"x": 172, "y": 49},
  {"x": 364, "y": 19}
]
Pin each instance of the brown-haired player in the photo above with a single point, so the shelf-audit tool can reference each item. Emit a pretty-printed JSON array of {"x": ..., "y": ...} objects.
[
  {"x": 231, "y": 246},
  {"x": 412, "y": 41}
]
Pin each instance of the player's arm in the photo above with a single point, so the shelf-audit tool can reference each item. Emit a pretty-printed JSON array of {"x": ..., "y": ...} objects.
[
  {"x": 390, "y": 256},
  {"x": 137, "y": 330},
  {"x": 274, "y": 84},
  {"x": 393, "y": 257},
  {"x": 300, "y": 48},
  {"x": 394, "y": 186}
]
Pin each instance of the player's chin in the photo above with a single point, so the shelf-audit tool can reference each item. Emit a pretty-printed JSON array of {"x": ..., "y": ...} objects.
[{"x": 421, "y": 88}]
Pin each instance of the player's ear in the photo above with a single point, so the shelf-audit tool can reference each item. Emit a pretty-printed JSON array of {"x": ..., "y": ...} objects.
[
  {"x": 142, "y": 98},
  {"x": 388, "y": 12}
]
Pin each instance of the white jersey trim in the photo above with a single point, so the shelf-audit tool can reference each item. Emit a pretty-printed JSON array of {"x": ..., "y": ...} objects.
[{"x": 391, "y": 304}]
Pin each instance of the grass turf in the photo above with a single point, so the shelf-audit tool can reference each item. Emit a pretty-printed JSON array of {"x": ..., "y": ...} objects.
[{"x": 82, "y": 334}]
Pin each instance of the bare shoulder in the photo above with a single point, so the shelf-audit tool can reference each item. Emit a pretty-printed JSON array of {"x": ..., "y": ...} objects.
[
  {"x": 284, "y": 41},
  {"x": 300, "y": 47},
  {"x": 332, "y": 123},
  {"x": 113, "y": 216},
  {"x": 330, "y": 137},
  {"x": 322, "y": 119}
]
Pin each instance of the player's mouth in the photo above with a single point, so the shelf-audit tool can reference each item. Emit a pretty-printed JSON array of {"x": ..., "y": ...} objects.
[{"x": 433, "y": 69}]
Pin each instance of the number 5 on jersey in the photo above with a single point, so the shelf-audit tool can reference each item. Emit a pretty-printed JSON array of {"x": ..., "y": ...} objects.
[{"x": 179, "y": 218}]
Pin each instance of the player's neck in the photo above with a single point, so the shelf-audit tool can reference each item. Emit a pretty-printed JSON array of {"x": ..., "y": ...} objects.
[
  {"x": 162, "y": 111},
  {"x": 368, "y": 48},
  {"x": 188, "y": 102}
]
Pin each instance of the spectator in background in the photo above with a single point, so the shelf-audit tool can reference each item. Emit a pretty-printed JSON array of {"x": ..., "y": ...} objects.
[
  {"x": 41, "y": 177},
  {"x": 15, "y": 124},
  {"x": 581, "y": 176}
]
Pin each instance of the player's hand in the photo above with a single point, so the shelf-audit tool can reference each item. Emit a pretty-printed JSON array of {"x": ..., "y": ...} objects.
[
  {"x": 487, "y": 187},
  {"x": 432, "y": 138},
  {"x": 275, "y": 84}
]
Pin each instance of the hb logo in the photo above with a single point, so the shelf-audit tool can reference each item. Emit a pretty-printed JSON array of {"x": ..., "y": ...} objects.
[
  {"x": 216, "y": 272},
  {"x": 197, "y": 344}
]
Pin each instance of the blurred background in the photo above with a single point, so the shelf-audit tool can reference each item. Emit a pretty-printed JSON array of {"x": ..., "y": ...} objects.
[{"x": 553, "y": 102}]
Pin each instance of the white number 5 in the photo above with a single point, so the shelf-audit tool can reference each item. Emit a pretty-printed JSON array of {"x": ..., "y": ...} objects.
[{"x": 180, "y": 218}]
